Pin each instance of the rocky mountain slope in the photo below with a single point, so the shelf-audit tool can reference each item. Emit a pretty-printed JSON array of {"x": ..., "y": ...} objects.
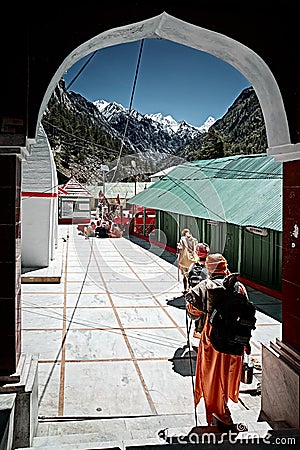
[
  {"x": 240, "y": 131},
  {"x": 84, "y": 135}
]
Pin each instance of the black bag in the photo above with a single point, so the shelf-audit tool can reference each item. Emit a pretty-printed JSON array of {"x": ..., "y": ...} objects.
[
  {"x": 197, "y": 274},
  {"x": 232, "y": 319}
]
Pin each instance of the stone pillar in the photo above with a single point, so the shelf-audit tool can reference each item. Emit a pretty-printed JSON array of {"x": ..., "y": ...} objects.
[
  {"x": 18, "y": 372},
  {"x": 10, "y": 261},
  {"x": 291, "y": 255},
  {"x": 281, "y": 361}
]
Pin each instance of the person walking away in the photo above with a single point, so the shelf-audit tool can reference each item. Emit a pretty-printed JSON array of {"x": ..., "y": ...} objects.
[
  {"x": 197, "y": 270},
  {"x": 196, "y": 273},
  {"x": 186, "y": 254},
  {"x": 218, "y": 375}
]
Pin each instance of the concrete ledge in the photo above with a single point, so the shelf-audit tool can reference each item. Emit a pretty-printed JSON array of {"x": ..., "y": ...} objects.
[
  {"x": 26, "y": 402},
  {"x": 7, "y": 412},
  {"x": 41, "y": 279},
  {"x": 51, "y": 274},
  {"x": 280, "y": 386}
]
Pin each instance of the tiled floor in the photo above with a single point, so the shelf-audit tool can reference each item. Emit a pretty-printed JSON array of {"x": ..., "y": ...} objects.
[{"x": 106, "y": 335}]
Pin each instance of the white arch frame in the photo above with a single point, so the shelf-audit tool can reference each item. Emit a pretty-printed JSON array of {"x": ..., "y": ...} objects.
[{"x": 233, "y": 52}]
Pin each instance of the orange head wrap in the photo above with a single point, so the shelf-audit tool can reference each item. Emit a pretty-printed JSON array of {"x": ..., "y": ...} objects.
[
  {"x": 202, "y": 250},
  {"x": 216, "y": 264}
]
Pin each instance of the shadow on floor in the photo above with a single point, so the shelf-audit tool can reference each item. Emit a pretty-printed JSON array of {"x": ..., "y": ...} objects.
[
  {"x": 177, "y": 302},
  {"x": 184, "y": 361},
  {"x": 264, "y": 303}
]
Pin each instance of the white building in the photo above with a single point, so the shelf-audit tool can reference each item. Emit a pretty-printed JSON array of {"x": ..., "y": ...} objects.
[{"x": 39, "y": 205}]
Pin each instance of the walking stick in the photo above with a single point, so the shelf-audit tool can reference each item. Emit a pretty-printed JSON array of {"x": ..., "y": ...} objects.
[
  {"x": 188, "y": 343},
  {"x": 188, "y": 329},
  {"x": 177, "y": 258}
]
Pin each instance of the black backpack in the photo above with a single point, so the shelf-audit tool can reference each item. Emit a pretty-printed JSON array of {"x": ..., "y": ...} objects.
[
  {"x": 233, "y": 317},
  {"x": 197, "y": 274}
]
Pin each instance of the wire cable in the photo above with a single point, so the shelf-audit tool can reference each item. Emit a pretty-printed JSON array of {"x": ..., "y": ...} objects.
[
  {"x": 80, "y": 139},
  {"x": 180, "y": 185},
  {"x": 228, "y": 170},
  {"x": 130, "y": 107},
  {"x": 67, "y": 330},
  {"x": 81, "y": 70}
]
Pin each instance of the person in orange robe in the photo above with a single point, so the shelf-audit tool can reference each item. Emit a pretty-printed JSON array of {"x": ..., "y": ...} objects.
[{"x": 218, "y": 375}]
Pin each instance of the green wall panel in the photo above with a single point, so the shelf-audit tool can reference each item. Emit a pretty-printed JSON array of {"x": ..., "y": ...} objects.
[{"x": 257, "y": 258}]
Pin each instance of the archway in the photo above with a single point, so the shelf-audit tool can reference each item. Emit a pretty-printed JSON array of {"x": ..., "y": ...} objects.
[
  {"x": 242, "y": 58},
  {"x": 234, "y": 53},
  {"x": 238, "y": 55}
]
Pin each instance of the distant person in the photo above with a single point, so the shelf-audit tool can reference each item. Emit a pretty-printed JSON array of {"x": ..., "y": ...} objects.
[
  {"x": 126, "y": 230},
  {"x": 89, "y": 231},
  {"x": 97, "y": 229},
  {"x": 186, "y": 254},
  {"x": 102, "y": 231},
  {"x": 115, "y": 232},
  {"x": 218, "y": 374}
]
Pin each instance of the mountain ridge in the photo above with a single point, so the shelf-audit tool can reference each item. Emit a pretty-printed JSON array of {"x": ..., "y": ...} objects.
[{"x": 96, "y": 135}]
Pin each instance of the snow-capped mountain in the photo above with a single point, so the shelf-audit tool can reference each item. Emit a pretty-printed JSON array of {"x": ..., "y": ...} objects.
[
  {"x": 84, "y": 134},
  {"x": 152, "y": 134},
  {"x": 171, "y": 124},
  {"x": 153, "y": 138}
]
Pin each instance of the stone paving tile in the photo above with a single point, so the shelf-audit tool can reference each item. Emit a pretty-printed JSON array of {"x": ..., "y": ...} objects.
[
  {"x": 107, "y": 334},
  {"x": 36, "y": 317},
  {"x": 88, "y": 299},
  {"x": 123, "y": 300},
  {"x": 92, "y": 344},
  {"x": 154, "y": 343},
  {"x": 170, "y": 392},
  {"x": 45, "y": 343},
  {"x": 46, "y": 299},
  {"x": 104, "y": 388},
  {"x": 140, "y": 317},
  {"x": 49, "y": 388},
  {"x": 91, "y": 317}
]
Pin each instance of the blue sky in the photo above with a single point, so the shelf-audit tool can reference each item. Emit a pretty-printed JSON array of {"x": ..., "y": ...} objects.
[{"x": 173, "y": 79}]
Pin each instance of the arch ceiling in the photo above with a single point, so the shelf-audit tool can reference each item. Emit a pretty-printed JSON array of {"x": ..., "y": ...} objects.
[{"x": 233, "y": 52}]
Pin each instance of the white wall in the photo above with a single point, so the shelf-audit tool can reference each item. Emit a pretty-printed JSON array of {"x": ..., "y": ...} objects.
[{"x": 39, "y": 205}]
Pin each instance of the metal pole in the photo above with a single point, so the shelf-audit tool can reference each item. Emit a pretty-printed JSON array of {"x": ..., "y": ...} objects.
[
  {"x": 188, "y": 329},
  {"x": 103, "y": 191},
  {"x": 103, "y": 178}
]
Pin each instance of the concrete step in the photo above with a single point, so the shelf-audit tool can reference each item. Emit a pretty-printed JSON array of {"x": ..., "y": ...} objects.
[
  {"x": 74, "y": 446},
  {"x": 88, "y": 441},
  {"x": 122, "y": 433},
  {"x": 116, "y": 426}
]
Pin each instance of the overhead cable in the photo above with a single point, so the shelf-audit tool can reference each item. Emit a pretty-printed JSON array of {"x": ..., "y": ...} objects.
[
  {"x": 130, "y": 107},
  {"x": 81, "y": 70}
]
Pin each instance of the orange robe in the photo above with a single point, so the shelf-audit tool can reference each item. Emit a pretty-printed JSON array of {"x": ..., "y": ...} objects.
[{"x": 218, "y": 375}]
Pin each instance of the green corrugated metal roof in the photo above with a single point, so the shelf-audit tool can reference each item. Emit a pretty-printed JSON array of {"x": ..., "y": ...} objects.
[{"x": 242, "y": 189}]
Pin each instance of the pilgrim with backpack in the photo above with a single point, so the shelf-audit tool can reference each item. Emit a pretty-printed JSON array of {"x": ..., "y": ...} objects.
[
  {"x": 196, "y": 273},
  {"x": 197, "y": 270},
  {"x": 226, "y": 318}
]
